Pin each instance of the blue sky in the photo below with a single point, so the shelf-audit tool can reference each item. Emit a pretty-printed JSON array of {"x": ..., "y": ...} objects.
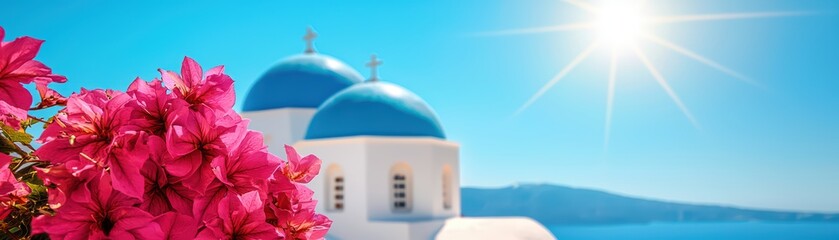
[{"x": 775, "y": 147}]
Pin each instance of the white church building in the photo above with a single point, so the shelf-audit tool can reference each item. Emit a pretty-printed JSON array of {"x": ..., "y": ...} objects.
[{"x": 388, "y": 171}]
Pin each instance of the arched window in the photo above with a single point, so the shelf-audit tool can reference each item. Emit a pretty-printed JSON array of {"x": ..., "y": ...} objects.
[
  {"x": 401, "y": 181},
  {"x": 447, "y": 187},
  {"x": 335, "y": 187}
]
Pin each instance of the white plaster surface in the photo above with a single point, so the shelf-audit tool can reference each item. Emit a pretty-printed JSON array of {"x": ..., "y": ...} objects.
[
  {"x": 366, "y": 162},
  {"x": 281, "y": 126},
  {"x": 509, "y": 228}
]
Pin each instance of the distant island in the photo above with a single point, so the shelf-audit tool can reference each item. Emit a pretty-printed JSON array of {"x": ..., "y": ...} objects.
[{"x": 559, "y": 205}]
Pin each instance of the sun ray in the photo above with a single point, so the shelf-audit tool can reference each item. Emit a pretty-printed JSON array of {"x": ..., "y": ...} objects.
[
  {"x": 666, "y": 86},
  {"x": 610, "y": 98},
  {"x": 534, "y": 30},
  {"x": 621, "y": 24},
  {"x": 701, "y": 59},
  {"x": 583, "y": 5},
  {"x": 725, "y": 16},
  {"x": 558, "y": 77}
]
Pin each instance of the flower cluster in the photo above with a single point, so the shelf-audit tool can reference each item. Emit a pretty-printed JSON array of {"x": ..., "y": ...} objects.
[
  {"x": 17, "y": 68},
  {"x": 165, "y": 159}
]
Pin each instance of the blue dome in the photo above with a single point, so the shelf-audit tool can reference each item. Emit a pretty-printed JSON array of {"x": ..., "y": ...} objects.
[
  {"x": 303, "y": 81},
  {"x": 376, "y": 109}
]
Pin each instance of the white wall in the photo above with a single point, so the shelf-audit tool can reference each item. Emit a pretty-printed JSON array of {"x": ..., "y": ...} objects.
[
  {"x": 366, "y": 162},
  {"x": 426, "y": 157},
  {"x": 451, "y": 156},
  {"x": 350, "y": 155},
  {"x": 508, "y": 228},
  {"x": 281, "y": 126}
]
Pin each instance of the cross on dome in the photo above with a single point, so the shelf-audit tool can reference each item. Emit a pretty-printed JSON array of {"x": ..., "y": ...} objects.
[
  {"x": 310, "y": 38},
  {"x": 374, "y": 64}
]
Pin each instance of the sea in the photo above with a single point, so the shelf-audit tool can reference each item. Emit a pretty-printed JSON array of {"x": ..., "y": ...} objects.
[{"x": 700, "y": 231}]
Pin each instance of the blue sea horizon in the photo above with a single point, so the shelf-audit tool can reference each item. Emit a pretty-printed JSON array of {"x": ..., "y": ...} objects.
[{"x": 700, "y": 231}]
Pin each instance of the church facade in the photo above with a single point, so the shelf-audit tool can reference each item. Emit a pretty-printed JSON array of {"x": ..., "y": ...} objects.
[{"x": 388, "y": 171}]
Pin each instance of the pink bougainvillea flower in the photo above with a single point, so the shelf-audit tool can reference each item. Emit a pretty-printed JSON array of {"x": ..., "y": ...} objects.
[
  {"x": 205, "y": 207},
  {"x": 67, "y": 180},
  {"x": 194, "y": 139},
  {"x": 152, "y": 105},
  {"x": 85, "y": 129},
  {"x": 292, "y": 212},
  {"x": 176, "y": 226},
  {"x": 239, "y": 217},
  {"x": 11, "y": 115},
  {"x": 12, "y": 191},
  {"x": 127, "y": 155},
  {"x": 162, "y": 194},
  {"x": 167, "y": 159},
  {"x": 17, "y": 64},
  {"x": 300, "y": 170},
  {"x": 49, "y": 97},
  {"x": 305, "y": 225},
  {"x": 17, "y": 67},
  {"x": 247, "y": 166},
  {"x": 108, "y": 215},
  {"x": 213, "y": 89},
  {"x": 94, "y": 129},
  {"x": 283, "y": 204}
]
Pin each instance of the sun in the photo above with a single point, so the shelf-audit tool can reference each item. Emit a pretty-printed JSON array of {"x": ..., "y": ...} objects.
[
  {"x": 622, "y": 25},
  {"x": 619, "y": 24}
]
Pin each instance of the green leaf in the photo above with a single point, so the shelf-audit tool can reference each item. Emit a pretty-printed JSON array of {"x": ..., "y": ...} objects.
[
  {"x": 14, "y": 229},
  {"x": 16, "y": 135},
  {"x": 36, "y": 188}
]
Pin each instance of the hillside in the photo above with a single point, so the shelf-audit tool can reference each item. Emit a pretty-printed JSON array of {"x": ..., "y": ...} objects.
[{"x": 552, "y": 204}]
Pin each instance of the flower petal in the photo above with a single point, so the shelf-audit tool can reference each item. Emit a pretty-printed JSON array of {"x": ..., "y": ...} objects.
[
  {"x": 17, "y": 52},
  {"x": 191, "y": 72},
  {"x": 177, "y": 226}
]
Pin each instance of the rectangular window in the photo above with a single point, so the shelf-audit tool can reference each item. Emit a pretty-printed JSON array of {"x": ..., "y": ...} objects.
[
  {"x": 400, "y": 191},
  {"x": 338, "y": 195},
  {"x": 447, "y": 189}
]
